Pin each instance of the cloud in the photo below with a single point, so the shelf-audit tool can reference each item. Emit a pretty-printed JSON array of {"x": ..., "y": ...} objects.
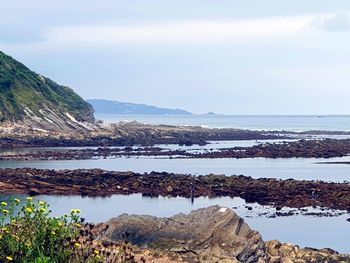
[
  {"x": 332, "y": 22},
  {"x": 168, "y": 32},
  {"x": 80, "y": 37},
  {"x": 187, "y": 31}
]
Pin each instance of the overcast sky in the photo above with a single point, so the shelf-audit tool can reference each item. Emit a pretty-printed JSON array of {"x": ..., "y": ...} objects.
[{"x": 226, "y": 56}]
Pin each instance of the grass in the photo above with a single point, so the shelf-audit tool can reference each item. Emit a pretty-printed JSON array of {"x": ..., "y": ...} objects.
[{"x": 22, "y": 88}]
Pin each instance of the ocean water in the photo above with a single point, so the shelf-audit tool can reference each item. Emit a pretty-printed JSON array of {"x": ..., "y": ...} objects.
[{"x": 267, "y": 122}]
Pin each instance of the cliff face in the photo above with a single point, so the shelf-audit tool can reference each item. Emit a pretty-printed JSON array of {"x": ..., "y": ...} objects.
[{"x": 36, "y": 101}]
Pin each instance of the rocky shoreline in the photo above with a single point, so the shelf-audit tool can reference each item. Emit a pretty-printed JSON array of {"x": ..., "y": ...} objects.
[
  {"x": 265, "y": 191},
  {"x": 126, "y": 134},
  {"x": 326, "y": 148},
  {"x": 213, "y": 234}
]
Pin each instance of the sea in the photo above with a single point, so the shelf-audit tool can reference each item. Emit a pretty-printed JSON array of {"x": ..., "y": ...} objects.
[
  {"x": 305, "y": 229},
  {"x": 296, "y": 123}
]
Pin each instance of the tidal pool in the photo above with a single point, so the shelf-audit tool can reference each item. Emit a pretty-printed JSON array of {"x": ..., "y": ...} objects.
[{"x": 304, "y": 230}]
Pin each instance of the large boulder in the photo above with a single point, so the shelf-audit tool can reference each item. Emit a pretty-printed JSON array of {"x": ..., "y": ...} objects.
[{"x": 213, "y": 234}]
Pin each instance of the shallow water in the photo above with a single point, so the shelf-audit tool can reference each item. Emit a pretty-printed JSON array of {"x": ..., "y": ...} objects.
[
  {"x": 298, "y": 229},
  {"x": 212, "y": 145},
  {"x": 297, "y": 168},
  {"x": 217, "y": 145}
]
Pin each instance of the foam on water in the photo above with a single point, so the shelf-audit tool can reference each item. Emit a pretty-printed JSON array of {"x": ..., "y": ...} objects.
[{"x": 267, "y": 123}]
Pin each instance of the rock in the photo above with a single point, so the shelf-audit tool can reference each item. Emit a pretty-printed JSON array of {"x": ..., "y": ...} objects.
[
  {"x": 288, "y": 253},
  {"x": 169, "y": 189},
  {"x": 212, "y": 234},
  {"x": 34, "y": 191}
]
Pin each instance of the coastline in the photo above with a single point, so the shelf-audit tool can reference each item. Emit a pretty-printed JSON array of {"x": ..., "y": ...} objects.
[
  {"x": 95, "y": 182},
  {"x": 322, "y": 148}
]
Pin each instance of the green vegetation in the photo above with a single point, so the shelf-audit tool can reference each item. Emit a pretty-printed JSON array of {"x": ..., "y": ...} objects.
[
  {"x": 31, "y": 235},
  {"x": 21, "y": 89}
]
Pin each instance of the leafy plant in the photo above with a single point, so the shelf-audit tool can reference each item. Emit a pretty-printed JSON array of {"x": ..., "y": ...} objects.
[{"x": 31, "y": 235}]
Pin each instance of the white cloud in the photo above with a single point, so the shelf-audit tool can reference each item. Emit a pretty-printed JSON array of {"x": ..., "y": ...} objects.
[
  {"x": 183, "y": 32},
  {"x": 332, "y": 22},
  {"x": 187, "y": 31},
  {"x": 179, "y": 32}
]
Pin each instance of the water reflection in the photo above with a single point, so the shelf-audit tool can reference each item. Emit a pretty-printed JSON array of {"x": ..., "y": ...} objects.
[
  {"x": 296, "y": 168},
  {"x": 309, "y": 230}
]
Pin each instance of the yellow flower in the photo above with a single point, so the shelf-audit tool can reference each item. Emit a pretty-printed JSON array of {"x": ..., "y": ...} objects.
[
  {"x": 3, "y": 203},
  {"x": 5, "y": 211},
  {"x": 29, "y": 199},
  {"x": 0, "y": 236},
  {"x": 41, "y": 203},
  {"x": 4, "y": 229},
  {"x": 60, "y": 224},
  {"x": 13, "y": 221},
  {"x": 78, "y": 225},
  {"x": 97, "y": 252},
  {"x": 42, "y": 210},
  {"x": 98, "y": 257},
  {"x": 53, "y": 233},
  {"x": 17, "y": 200},
  {"x": 9, "y": 258},
  {"x": 29, "y": 210},
  {"x": 77, "y": 211},
  {"x": 77, "y": 245}
]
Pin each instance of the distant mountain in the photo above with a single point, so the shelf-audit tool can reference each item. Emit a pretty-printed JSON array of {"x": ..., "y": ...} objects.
[
  {"x": 116, "y": 107},
  {"x": 29, "y": 98}
]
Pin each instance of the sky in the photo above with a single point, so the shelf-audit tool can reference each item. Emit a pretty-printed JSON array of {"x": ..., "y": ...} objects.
[{"x": 224, "y": 56}]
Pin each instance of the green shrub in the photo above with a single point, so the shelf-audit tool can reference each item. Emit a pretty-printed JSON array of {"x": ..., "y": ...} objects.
[{"x": 32, "y": 235}]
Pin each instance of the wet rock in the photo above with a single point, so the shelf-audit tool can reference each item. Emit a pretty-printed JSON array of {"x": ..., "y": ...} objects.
[
  {"x": 169, "y": 189},
  {"x": 278, "y": 252},
  {"x": 34, "y": 191},
  {"x": 96, "y": 182},
  {"x": 212, "y": 234}
]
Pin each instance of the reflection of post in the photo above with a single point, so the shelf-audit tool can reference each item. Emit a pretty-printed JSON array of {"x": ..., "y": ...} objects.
[{"x": 192, "y": 192}]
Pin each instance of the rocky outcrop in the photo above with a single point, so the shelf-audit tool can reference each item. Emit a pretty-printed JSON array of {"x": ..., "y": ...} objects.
[
  {"x": 213, "y": 234},
  {"x": 326, "y": 148},
  {"x": 96, "y": 182},
  {"x": 300, "y": 149},
  {"x": 124, "y": 134},
  {"x": 288, "y": 253}
]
